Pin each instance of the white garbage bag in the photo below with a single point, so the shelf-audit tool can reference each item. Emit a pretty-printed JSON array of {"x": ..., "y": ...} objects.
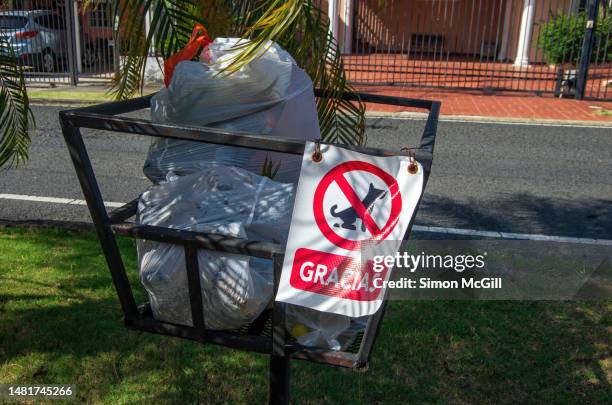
[
  {"x": 269, "y": 96},
  {"x": 321, "y": 329},
  {"x": 235, "y": 288},
  {"x": 221, "y": 200}
]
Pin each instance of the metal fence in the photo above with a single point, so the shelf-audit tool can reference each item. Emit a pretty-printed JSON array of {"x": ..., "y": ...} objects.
[
  {"x": 562, "y": 47},
  {"x": 96, "y": 53},
  {"x": 541, "y": 46},
  {"x": 60, "y": 41}
]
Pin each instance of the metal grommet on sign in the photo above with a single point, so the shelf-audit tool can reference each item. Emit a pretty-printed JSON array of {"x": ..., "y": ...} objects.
[
  {"x": 317, "y": 156},
  {"x": 413, "y": 166}
]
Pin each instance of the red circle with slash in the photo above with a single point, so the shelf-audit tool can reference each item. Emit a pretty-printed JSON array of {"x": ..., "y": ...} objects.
[{"x": 336, "y": 175}]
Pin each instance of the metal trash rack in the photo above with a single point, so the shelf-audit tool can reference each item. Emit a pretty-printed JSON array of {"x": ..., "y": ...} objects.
[{"x": 267, "y": 334}]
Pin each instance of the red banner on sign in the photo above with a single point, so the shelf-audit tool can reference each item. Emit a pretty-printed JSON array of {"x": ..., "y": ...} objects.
[{"x": 336, "y": 276}]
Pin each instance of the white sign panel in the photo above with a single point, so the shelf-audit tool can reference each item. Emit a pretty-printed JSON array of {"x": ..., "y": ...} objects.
[{"x": 346, "y": 202}]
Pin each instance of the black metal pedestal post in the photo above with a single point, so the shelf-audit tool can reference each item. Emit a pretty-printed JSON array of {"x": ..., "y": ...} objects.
[
  {"x": 279, "y": 380},
  {"x": 587, "y": 48},
  {"x": 279, "y": 361}
]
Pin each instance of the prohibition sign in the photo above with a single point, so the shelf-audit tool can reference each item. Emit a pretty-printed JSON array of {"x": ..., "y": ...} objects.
[{"x": 336, "y": 175}]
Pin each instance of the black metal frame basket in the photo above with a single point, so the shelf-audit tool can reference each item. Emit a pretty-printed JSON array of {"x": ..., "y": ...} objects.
[{"x": 266, "y": 334}]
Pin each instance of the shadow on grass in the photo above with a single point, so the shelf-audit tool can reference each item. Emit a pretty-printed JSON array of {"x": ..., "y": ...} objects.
[
  {"x": 443, "y": 351},
  {"x": 84, "y": 343}
]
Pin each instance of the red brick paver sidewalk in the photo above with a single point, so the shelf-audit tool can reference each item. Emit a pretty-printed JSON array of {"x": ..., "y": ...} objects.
[{"x": 497, "y": 105}]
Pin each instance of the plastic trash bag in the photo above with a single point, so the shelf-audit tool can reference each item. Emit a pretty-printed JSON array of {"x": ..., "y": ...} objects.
[
  {"x": 321, "y": 329},
  {"x": 235, "y": 288},
  {"x": 222, "y": 200},
  {"x": 269, "y": 96}
]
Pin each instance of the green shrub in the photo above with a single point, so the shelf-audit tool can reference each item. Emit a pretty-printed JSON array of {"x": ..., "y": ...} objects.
[{"x": 561, "y": 39}]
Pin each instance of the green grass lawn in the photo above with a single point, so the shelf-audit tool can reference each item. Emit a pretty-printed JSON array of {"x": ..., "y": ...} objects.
[
  {"x": 60, "y": 322},
  {"x": 95, "y": 95},
  {"x": 69, "y": 95}
]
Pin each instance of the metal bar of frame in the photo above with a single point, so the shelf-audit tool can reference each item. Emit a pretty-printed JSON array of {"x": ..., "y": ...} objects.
[
  {"x": 89, "y": 185},
  {"x": 195, "y": 291},
  {"x": 587, "y": 49},
  {"x": 280, "y": 366},
  {"x": 71, "y": 45},
  {"x": 108, "y": 226},
  {"x": 373, "y": 325}
]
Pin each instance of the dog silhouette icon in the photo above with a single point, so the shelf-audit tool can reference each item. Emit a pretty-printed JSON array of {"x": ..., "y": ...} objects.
[{"x": 349, "y": 216}]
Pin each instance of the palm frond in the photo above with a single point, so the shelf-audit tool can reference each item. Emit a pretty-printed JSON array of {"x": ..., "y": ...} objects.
[
  {"x": 297, "y": 25},
  {"x": 340, "y": 121},
  {"x": 15, "y": 113},
  {"x": 170, "y": 24},
  {"x": 273, "y": 21},
  {"x": 269, "y": 169},
  {"x": 302, "y": 29}
]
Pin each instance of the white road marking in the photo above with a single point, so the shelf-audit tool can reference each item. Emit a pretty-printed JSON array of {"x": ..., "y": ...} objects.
[
  {"x": 55, "y": 200},
  {"x": 417, "y": 228},
  {"x": 511, "y": 235}
]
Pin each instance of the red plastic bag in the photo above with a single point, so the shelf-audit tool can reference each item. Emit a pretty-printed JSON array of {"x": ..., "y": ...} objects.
[{"x": 199, "y": 38}]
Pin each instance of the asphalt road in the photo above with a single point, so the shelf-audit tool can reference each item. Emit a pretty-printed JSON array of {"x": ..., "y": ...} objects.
[{"x": 494, "y": 177}]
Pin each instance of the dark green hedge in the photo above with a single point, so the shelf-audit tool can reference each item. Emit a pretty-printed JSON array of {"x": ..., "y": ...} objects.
[{"x": 561, "y": 39}]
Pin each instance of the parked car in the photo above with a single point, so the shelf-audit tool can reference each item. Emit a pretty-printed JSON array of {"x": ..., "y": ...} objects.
[{"x": 38, "y": 37}]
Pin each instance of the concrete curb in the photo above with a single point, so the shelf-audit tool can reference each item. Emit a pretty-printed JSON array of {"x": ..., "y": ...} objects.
[
  {"x": 396, "y": 115},
  {"x": 491, "y": 120}
]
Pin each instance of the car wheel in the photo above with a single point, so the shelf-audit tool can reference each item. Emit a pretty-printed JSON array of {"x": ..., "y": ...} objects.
[{"x": 48, "y": 61}]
